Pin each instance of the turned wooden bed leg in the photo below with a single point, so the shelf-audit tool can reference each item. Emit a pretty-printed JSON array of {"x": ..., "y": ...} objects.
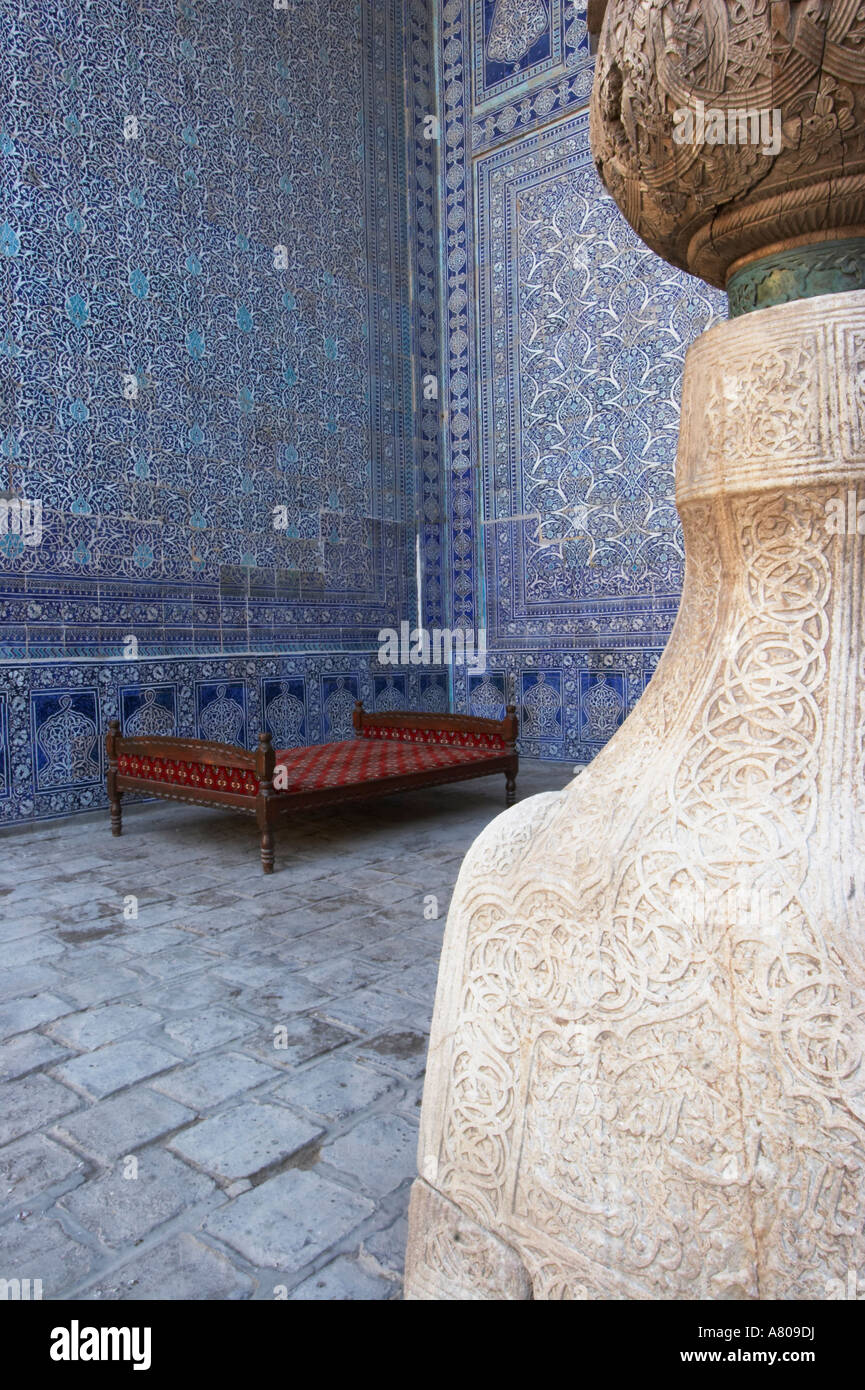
[
  {"x": 265, "y": 811},
  {"x": 267, "y": 850},
  {"x": 111, "y": 781},
  {"x": 510, "y": 788}
]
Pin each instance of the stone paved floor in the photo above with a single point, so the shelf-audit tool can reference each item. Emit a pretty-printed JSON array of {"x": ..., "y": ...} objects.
[{"x": 219, "y": 1097}]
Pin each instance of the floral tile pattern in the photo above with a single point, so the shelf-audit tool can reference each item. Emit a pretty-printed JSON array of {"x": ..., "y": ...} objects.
[
  {"x": 204, "y": 357},
  {"x": 564, "y": 345},
  {"x": 207, "y": 355}
]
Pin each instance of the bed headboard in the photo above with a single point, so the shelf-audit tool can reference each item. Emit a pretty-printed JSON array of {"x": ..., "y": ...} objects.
[{"x": 414, "y": 726}]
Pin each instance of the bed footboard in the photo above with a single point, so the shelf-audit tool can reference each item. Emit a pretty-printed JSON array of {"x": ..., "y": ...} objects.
[{"x": 194, "y": 770}]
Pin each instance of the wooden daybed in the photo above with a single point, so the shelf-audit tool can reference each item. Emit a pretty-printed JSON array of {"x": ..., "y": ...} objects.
[{"x": 392, "y": 752}]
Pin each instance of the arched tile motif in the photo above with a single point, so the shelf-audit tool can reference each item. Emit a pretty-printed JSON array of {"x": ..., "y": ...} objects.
[
  {"x": 150, "y": 718},
  {"x": 541, "y": 709},
  {"x": 389, "y": 695},
  {"x": 338, "y": 707},
  {"x": 603, "y": 709},
  {"x": 221, "y": 713},
  {"x": 434, "y": 698},
  {"x": 284, "y": 717},
  {"x": 67, "y": 741}
]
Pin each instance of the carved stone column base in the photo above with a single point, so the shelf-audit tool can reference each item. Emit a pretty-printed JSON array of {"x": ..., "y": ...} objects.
[
  {"x": 451, "y": 1257},
  {"x": 646, "y": 1072}
]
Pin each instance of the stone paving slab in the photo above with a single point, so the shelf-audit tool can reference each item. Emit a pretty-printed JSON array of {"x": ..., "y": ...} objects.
[
  {"x": 246, "y": 1140},
  {"x": 279, "y": 999},
  {"x": 127, "y": 1201},
  {"x": 299, "y": 1040},
  {"x": 252, "y": 974},
  {"x": 341, "y": 1280},
  {"x": 181, "y": 1268},
  {"x": 41, "y": 1249},
  {"x": 208, "y": 1028},
  {"x": 117, "y": 1126},
  {"x": 384, "y": 1249},
  {"x": 289, "y": 1220},
  {"x": 399, "y": 1050},
  {"x": 34, "y": 1165},
  {"x": 342, "y": 975},
  {"x": 339, "y": 1086},
  {"x": 317, "y": 947},
  {"x": 205, "y": 1084},
  {"x": 104, "y": 984},
  {"x": 89, "y": 960},
  {"x": 180, "y": 998},
  {"x": 148, "y": 940},
  {"x": 380, "y": 1151},
  {"x": 368, "y": 1009},
  {"x": 25, "y": 950},
  {"x": 20, "y": 1015},
  {"x": 94, "y": 1027},
  {"x": 32, "y": 1102},
  {"x": 219, "y": 1099},
  {"x": 418, "y": 980},
  {"x": 391, "y": 950},
  {"x": 28, "y": 1052},
  {"x": 111, "y": 1068},
  {"x": 18, "y": 929},
  {"x": 181, "y": 960}
]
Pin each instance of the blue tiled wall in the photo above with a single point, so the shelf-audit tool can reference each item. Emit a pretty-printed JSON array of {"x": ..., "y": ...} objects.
[
  {"x": 206, "y": 260},
  {"x": 237, "y": 302},
  {"x": 564, "y": 341},
  {"x": 53, "y": 714}
]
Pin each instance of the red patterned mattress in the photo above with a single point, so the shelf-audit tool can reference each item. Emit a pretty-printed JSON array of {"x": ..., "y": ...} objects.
[
  {"x": 311, "y": 769},
  {"x": 364, "y": 760}
]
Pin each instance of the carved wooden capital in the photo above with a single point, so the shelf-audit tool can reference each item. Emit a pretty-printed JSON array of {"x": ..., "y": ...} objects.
[{"x": 724, "y": 128}]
